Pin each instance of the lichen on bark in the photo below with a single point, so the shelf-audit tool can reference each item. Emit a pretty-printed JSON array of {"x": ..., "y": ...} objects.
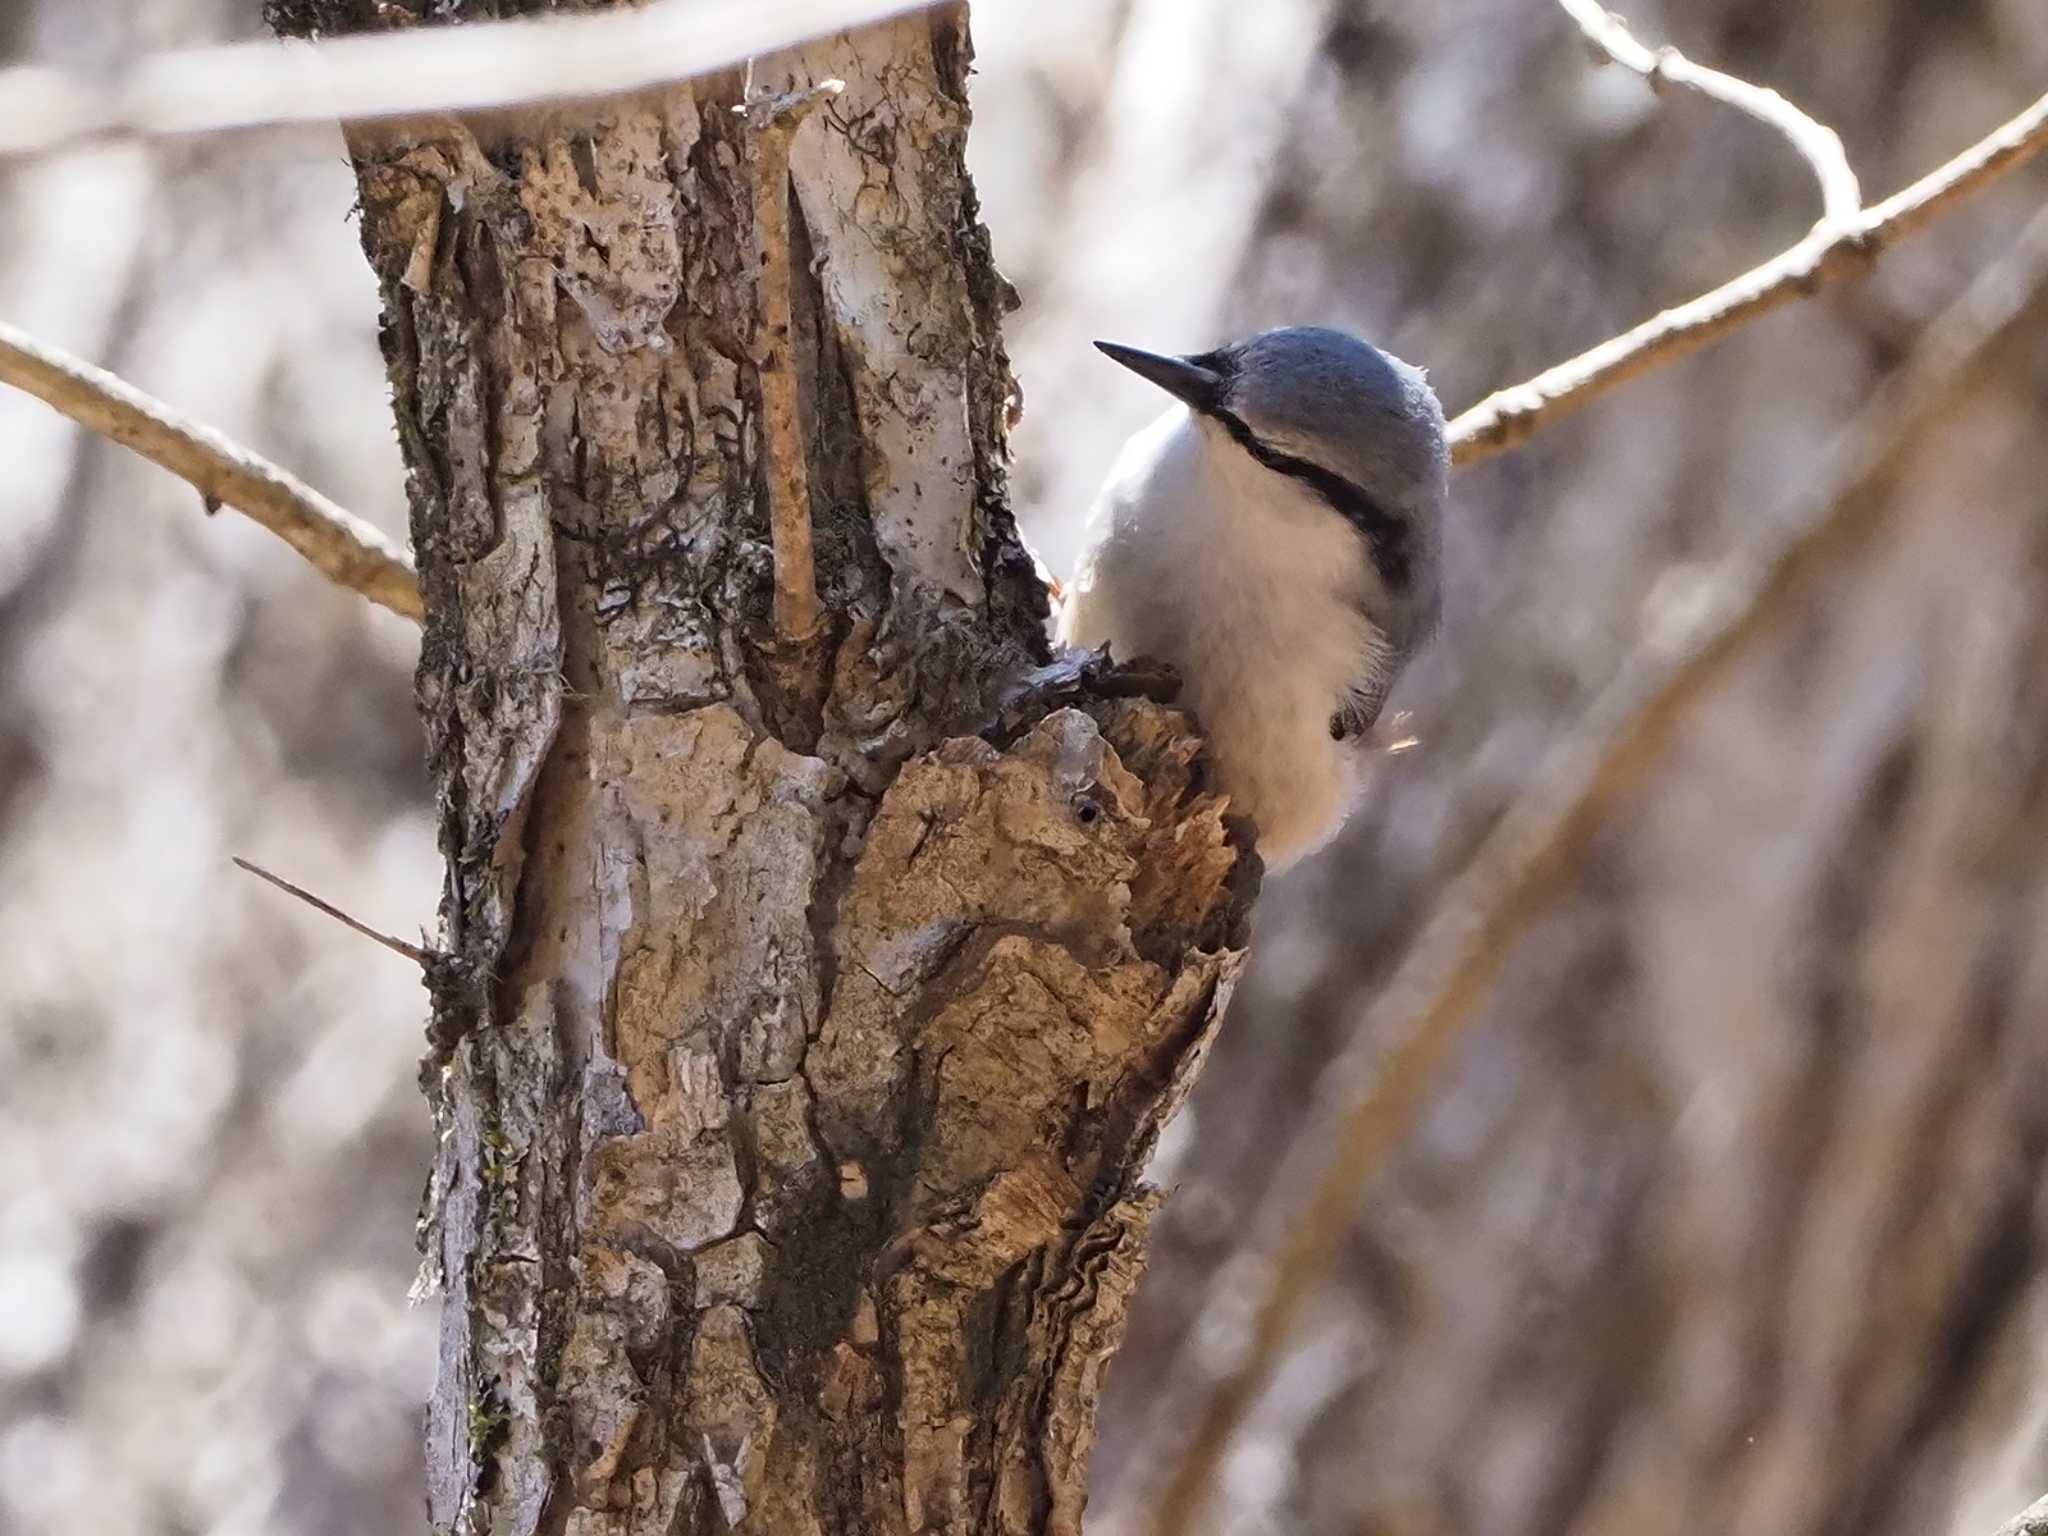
[{"x": 810, "y": 1016}]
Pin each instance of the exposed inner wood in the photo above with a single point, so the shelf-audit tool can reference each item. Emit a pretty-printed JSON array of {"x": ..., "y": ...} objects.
[{"x": 808, "y": 1024}]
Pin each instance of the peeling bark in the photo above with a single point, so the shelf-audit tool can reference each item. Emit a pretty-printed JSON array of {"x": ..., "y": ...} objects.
[{"x": 806, "y": 1026}]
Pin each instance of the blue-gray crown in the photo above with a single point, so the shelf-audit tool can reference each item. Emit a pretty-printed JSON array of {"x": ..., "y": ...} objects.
[{"x": 1362, "y": 428}]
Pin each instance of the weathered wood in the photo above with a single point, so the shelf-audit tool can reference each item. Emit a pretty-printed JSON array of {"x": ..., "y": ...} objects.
[{"x": 805, "y": 1032}]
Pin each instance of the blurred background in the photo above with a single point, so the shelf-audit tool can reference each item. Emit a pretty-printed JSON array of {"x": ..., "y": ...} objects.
[{"x": 1729, "y": 1215}]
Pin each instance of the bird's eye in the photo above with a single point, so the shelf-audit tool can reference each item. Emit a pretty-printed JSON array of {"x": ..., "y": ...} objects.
[
  {"x": 1336, "y": 727},
  {"x": 1087, "y": 810}
]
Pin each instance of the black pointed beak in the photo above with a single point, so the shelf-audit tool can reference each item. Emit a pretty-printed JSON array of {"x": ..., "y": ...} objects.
[{"x": 1179, "y": 377}]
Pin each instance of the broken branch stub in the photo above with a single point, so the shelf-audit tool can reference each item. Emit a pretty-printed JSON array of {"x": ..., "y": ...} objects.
[{"x": 773, "y": 120}]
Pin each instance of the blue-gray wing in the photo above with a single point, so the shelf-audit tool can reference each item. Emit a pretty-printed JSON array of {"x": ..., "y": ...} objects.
[{"x": 1359, "y": 707}]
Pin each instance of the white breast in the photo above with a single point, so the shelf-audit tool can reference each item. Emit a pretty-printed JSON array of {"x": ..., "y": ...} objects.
[{"x": 1249, "y": 584}]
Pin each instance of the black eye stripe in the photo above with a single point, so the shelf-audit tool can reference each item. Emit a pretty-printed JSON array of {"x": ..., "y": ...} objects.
[{"x": 1387, "y": 534}]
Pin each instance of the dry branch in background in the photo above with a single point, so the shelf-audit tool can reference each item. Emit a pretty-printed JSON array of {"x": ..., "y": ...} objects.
[
  {"x": 1371, "y": 1095},
  {"x": 414, "y": 72},
  {"x": 1506, "y": 419},
  {"x": 341, "y": 546},
  {"x": 1819, "y": 145},
  {"x": 502, "y": 64},
  {"x": 1450, "y": 968}
]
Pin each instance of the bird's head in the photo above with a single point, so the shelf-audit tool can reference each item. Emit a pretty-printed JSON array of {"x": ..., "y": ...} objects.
[{"x": 1360, "y": 428}]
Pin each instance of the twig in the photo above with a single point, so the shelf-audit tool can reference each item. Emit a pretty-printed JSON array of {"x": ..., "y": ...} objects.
[
  {"x": 423, "y": 958},
  {"x": 774, "y": 121},
  {"x": 340, "y": 545},
  {"x": 422, "y": 71},
  {"x": 1818, "y": 144},
  {"x": 1376, "y": 1089},
  {"x": 1506, "y": 419}
]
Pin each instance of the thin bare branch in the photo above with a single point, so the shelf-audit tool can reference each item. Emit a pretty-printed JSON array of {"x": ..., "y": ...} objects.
[
  {"x": 505, "y": 64},
  {"x": 774, "y": 121},
  {"x": 1507, "y": 418},
  {"x": 418, "y": 72},
  {"x": 1375, "y": 1091},
  {"x": 413, "y": 952},
  {"x": 341, "y": 546},
  {"x": 1819, "y": 145}
]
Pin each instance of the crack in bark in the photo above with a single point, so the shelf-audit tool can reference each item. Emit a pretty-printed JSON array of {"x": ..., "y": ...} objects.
[{"x": 789, "y": 1148}]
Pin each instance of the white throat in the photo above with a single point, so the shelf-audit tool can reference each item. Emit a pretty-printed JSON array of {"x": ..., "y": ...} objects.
[{"x": 1252, "y": 586}]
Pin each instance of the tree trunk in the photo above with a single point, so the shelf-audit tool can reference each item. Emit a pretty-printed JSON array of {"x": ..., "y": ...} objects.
[{"x": 808, "y": 1010}]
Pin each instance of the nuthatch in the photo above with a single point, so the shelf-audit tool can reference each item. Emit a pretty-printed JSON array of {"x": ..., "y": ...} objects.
[{"x": 1275, "y": 537}]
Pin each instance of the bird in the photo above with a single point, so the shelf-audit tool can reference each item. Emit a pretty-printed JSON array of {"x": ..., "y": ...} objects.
[{"x": 1276, "y": 538}]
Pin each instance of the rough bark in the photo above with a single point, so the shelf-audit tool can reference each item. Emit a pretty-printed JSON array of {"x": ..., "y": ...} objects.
[{"x": 807, "y": 1012}]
